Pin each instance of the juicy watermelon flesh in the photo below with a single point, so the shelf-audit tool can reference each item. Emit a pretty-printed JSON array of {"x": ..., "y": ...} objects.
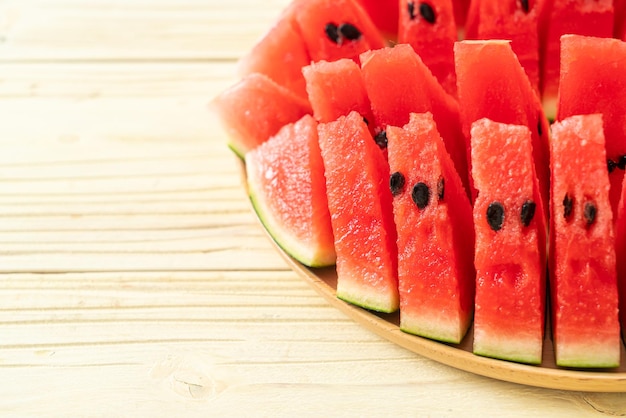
[
  {"x": 254, "y": 109},
  {"x": 288, "y": 190},
  {"x": 313, "y": 18},
  {"x": 592, "y": 81},
  {"x": 500, "y": 19},
  {"x": 335, "y": 89},
  {"x": 582, "y": 258},
  {"x": 280, "y": 54},
  {"x": 493, "y": 85},
  {"x": 620, "y": 248},
  {"x": 384, "y": 14},
  {"x": 582, "y": 17},
  {"x": 361, "y": 214},
  {"x": 412, "y": 89},
  {"x": 432, "y": 41},
  {"x": 435, "y": 267},
  {"x": 510, "y": 291}
]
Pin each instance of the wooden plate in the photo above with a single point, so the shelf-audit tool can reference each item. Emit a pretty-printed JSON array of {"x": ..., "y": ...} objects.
[{"x": 460, "y": 356}]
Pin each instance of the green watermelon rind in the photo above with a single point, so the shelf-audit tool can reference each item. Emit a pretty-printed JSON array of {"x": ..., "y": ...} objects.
[
  {"x": 354, "y": 296},
  {"x": 499, "y": 347},
  {"x": 300, "y": 251},
  {"x": 450, "y": 331}
]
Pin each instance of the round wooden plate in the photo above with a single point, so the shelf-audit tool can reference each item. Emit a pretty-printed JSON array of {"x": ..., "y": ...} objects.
[{"x": 460, "y": 356}]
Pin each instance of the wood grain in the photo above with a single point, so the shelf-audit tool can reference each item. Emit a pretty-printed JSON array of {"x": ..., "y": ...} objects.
[{"x": 134, "y": 279}]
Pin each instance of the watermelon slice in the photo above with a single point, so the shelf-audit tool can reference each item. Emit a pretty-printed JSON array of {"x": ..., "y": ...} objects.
[
  {"x": 582, "y": 257},
  {"x": 514, "y": 20},
  {"x": 335, "y": 89},
  {"x": 254, "y": 109},
  {"x": 334, "y": 29},
  {"x": 492, "y": 84},
  {"x": 429, "y": 27},
  {"x": 582, "y": 17},
  {"x": 287, "y": 187},
  {"x": 592, "y": 81},
  {"x": 510, "y": 254},
  {"x": 412, "y": 89},
  {"x": 435, "y": 233},
  {"x": 361, "y": 212},
  {"x": 279, "y": 54}
]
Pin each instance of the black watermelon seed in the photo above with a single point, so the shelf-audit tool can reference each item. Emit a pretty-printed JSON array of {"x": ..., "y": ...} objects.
[
  {"x": 539, "y": 128},
  {"x": 381, "y": 139},
  {"x": 396, "y": 183},
  {"x": 411, "y": 8},
  {"x": 367, "y": 122},
  {"x": 611, "y": 165},
  {"x": 332, "y": 32},
  {"x": 427, "y": 13},
  {"x": 568, "y": 205},
  {"x": 528, "y": 212},
  {"x": 590, "y": 213},
  {"x": 525, "y": 7},
  {"x": 421, "y": 195},
  {"x": 349, "y": 31},
  {"x": 441, "y": 188},
  {"x": 495, "y": 215},
  {"x": 621, "y": 162}
]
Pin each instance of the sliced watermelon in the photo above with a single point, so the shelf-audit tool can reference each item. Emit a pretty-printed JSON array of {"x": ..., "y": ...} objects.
[
  {"x": 592, "y": 81},
  {"x": 429, "y": 27},
  {"x": 582, "y": 17},
  {"x": 514, "y": 20},
  {"x": 361, "y": 214},
  {"x": 492, "y": 84},
  {"x": 510, "y": 254},
  {"x": 279, "y": 54},
  {"x": 398, "y": 83},
  {"x": 435, "y": 233},
  {"x": 335, "y": 89},
  {"x": 334, "y": 29},
  {"x": 582, "y": 258},
  {"x": 287, "y": 187},
  {"x": 384, "y": 14},
  {"x": 254, "y": 109},
  {"x": 620, "y": 250}
]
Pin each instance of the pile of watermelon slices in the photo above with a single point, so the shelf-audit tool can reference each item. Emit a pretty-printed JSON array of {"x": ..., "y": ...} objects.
[{"x": 408, "y": 143}]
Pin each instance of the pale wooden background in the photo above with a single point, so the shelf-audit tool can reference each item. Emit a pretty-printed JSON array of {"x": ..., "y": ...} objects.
[{"x": 134, "y": 279}]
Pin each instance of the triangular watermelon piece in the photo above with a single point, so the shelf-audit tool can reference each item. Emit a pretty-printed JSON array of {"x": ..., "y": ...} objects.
[
  {"x": 361, "y": 211},
  {"x": 334, "y": 29},
  {"x": 514, "y": 20},
  {"x": 593, "y": 81},
  {"x": 287, "y": 187},
  {"x": 279, "y": 54},
  {"x": 433, "y": 218},
  {"x": 398, "y": 83},
  {"x": 429, "y": 27},
  {"x": 492, "y": 84},
  {"x": 510, "y": 254},
  {"x": 335, "y": 89},
  {"x": 256, "y": 108},
  {"x": 581, "y": 17},
  {"x": 583, "y": 281}
]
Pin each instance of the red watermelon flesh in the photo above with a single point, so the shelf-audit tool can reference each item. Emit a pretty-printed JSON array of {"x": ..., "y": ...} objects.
[
  {"x": 254, "y": 109},
  {"x": 510, "y": 257},
  {"x": 511, "y": 20},
  {"x": 334, "y": 29},
  {"x": 361, "y": 212},
  {"x": 619, "y": 19},
  {"x": 384, "y": 14},
  {"x": 492, "y": 84},
  {"x": 335, "y": 89},
  {"x": 429, "y": 27},
  {"x": 461, "y": 8},
  {"x": 280, "y": 54},
  {"x": 287, "y": 187},
  {"x": 398, "y": 84},
  {"x": 582, "y": 17},
  {"x": 620, "y": 250},
  {"x": 433, "y": 218},
  {"x": 593, "y": 81},
  {"x": 582, "y": 258}
]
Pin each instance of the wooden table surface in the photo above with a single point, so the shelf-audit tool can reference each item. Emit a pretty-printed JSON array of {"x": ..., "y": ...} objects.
[{"x": 135, "y": 280}]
